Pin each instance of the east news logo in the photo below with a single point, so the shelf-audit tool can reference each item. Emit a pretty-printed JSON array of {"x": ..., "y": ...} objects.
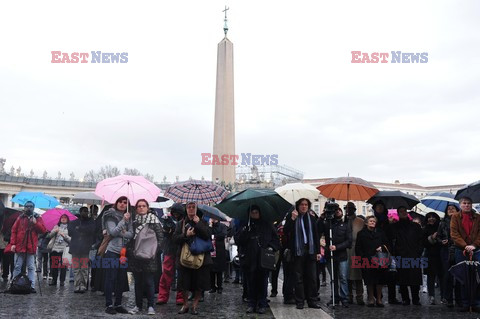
[
  {"x": 382, "y": 57},
  {"x": 82, "y": 57}
]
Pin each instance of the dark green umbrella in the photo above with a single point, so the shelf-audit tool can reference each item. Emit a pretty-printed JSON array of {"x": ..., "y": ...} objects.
[{"x": 272, "y": 206}]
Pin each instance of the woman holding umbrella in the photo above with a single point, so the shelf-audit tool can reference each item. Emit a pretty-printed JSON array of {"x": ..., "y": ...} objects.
[
  {"x": 196, "y": 280},
  {"x": 59, "y": 237},
  {"x": 257, "y": 234},
  {"x": 117, "y": 223}
]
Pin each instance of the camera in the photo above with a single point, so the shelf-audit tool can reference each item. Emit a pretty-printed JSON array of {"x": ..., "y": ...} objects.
[
  {"x": 330, "y": 209},
  {"x": 168, "y": 224}
]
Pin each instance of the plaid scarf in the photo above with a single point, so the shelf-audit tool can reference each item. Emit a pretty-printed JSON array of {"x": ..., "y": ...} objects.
[{"x": 142, "y": 220}]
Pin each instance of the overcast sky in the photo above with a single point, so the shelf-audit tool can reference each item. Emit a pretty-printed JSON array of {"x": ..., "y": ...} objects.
[{"x": 297, "y": 94}]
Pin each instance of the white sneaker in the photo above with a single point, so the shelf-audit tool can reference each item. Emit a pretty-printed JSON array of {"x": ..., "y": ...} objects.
[
  {"x": 134, "y": 310},
  {"x": 151, "y": 311},
  {"x": 425, "y": 290}
]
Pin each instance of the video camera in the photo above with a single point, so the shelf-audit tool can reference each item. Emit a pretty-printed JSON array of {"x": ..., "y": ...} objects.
[
  {"x": 168, "y": 224},
  {"x": 330, "y": 209}
]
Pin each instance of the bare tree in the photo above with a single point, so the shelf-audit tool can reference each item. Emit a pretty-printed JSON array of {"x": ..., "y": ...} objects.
[
  {"x": 108, "y": 171},
  {"x": 90, "y": 176},
  {"x": 132, "y": 172}
]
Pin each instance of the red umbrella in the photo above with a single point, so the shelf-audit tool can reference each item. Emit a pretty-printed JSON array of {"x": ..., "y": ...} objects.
[{"x": 348, "y": 188}]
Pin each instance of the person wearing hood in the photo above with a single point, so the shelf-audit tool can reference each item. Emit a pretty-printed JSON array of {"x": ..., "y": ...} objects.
[
  {"x": 251, "y": 238},
  {"x": 432, "y": 252},
  {"x": 337, "y": 246},
  {"x": 356, "y": 224},
  {"x": 169, "y": 249},
  {"x": 59, "y": 235},
  {"x": 24, "y": 241},
  {"x": 144, "y": 270},
  {"x": 195, "y": 280},
  {"x": 117, "y": 223},
  {"x": 304, "y": 243},
  {"x": 408, "y": 239},
  {"x": 82, "y": 232},
  {"x": 219, "y": 256},
  {"x": 447, "y": 256}
]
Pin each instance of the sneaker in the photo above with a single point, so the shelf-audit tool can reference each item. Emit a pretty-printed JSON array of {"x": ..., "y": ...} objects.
[
  {"x": 424, "y": 290},
  {"x": 110, "y": 310},
  {"x": 120, "y": 309},
  {"x": 134, "y": 310},
  {"x": 151, "y": 311}
]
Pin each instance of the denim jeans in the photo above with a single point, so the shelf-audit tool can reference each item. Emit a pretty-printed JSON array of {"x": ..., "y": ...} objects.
[
  {"x": 340, "y": 272},
  {"x": 144, "y": 280},
  {"x": 114, "y": 281},
  {"x": 465, "y": 292},
  {"x": 19, "y": 259}
]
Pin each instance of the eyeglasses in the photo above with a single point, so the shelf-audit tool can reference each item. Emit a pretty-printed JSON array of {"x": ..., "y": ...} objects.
[{"x": 139, "y": 206}]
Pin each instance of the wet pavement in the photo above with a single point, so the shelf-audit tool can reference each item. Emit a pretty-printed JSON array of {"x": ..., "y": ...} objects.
[{"x": 61, "y": 302}]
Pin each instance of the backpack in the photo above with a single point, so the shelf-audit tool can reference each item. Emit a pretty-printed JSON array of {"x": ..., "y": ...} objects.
[
  {"x": 146, "y": 244},
  {"x": 20, "y": 285}
]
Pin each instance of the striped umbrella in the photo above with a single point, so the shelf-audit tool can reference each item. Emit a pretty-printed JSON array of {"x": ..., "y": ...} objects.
[
  {"x": 201, "y": 192},
  {"x": 437, "y": 203}
]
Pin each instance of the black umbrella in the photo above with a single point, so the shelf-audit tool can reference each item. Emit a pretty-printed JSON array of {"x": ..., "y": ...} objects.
[
  {"x": 212, "y": 212},
  {"x": 394, "y": 199},
  {"x": 472, "y": 190},
  {"x": 467, "y": 273}
]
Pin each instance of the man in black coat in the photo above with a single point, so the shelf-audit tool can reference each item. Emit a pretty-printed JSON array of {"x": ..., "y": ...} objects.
[
  {"x": 304, "y": 243},
  {"x": 82, "y": 233},
  {"x": 337, "y": 246},
  {"x": 407, "y": 239}
]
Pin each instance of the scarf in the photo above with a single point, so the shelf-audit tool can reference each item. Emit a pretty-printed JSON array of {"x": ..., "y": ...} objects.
[
  {"x": 63, "y": 229},
  {"x": 142, "y": 220},
  {"x": 300, "y": 235}
]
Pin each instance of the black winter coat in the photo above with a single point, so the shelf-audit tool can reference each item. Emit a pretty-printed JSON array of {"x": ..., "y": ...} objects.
[
  {"x": 136, "y": 265},
  {"x": 407, "y": 239},
  {"x": 341, "y": 238},
  {"x": 260, "y": 234},
  {"x": 219, "y": 231},
  {"x": 290, "y": 233},
  {"x": 82, "y": 233},
  {"x": 180, "y": 237}
]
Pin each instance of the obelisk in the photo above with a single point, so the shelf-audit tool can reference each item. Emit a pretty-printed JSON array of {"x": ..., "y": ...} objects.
[{"x": 224, "y": 130}]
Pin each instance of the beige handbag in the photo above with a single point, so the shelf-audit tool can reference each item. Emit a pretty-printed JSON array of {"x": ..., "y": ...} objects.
[{"x": 188, "y": 260}]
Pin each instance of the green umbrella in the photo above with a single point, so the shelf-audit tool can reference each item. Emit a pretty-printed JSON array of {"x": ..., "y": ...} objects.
[{"x": 272, "y": 206}]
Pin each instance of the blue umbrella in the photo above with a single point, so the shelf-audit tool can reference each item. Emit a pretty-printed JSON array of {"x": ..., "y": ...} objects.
[
  {"x": 437, "y": 203},
  {"x": 40, "y": 200},
  {"x": 212, "y": 212}
]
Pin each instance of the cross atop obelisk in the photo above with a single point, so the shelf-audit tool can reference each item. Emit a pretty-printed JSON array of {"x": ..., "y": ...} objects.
[
  {"x": 225, "y": 26},
  {"x": 224, "y": 130}
]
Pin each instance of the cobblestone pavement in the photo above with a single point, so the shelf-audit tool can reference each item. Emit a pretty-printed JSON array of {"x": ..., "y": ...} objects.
[{"x": 61, "y": 302}]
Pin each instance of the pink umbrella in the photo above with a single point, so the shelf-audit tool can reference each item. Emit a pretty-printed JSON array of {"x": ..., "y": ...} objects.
[
  {"x": 52, "y": 216},
  {"x": 133, "y": 187}
]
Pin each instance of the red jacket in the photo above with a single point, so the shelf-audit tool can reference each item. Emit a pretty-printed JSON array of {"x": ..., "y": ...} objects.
[{"x": 19, "y": 235}]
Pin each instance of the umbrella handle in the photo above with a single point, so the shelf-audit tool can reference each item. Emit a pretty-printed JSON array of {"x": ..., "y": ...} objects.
[{"x": 470, "y": 254}]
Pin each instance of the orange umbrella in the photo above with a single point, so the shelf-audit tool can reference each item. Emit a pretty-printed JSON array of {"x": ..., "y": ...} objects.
[{"x": 348, "y": 188}]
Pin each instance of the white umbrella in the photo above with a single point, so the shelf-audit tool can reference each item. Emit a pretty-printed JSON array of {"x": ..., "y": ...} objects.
[
  {"x": 294, "y": 191},
  {"x": 166, "y": 204},
  {"x": 87, "y": 198}
]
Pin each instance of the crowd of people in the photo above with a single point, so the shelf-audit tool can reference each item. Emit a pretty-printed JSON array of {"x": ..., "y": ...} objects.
[{"x": 360, "y": 254}]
